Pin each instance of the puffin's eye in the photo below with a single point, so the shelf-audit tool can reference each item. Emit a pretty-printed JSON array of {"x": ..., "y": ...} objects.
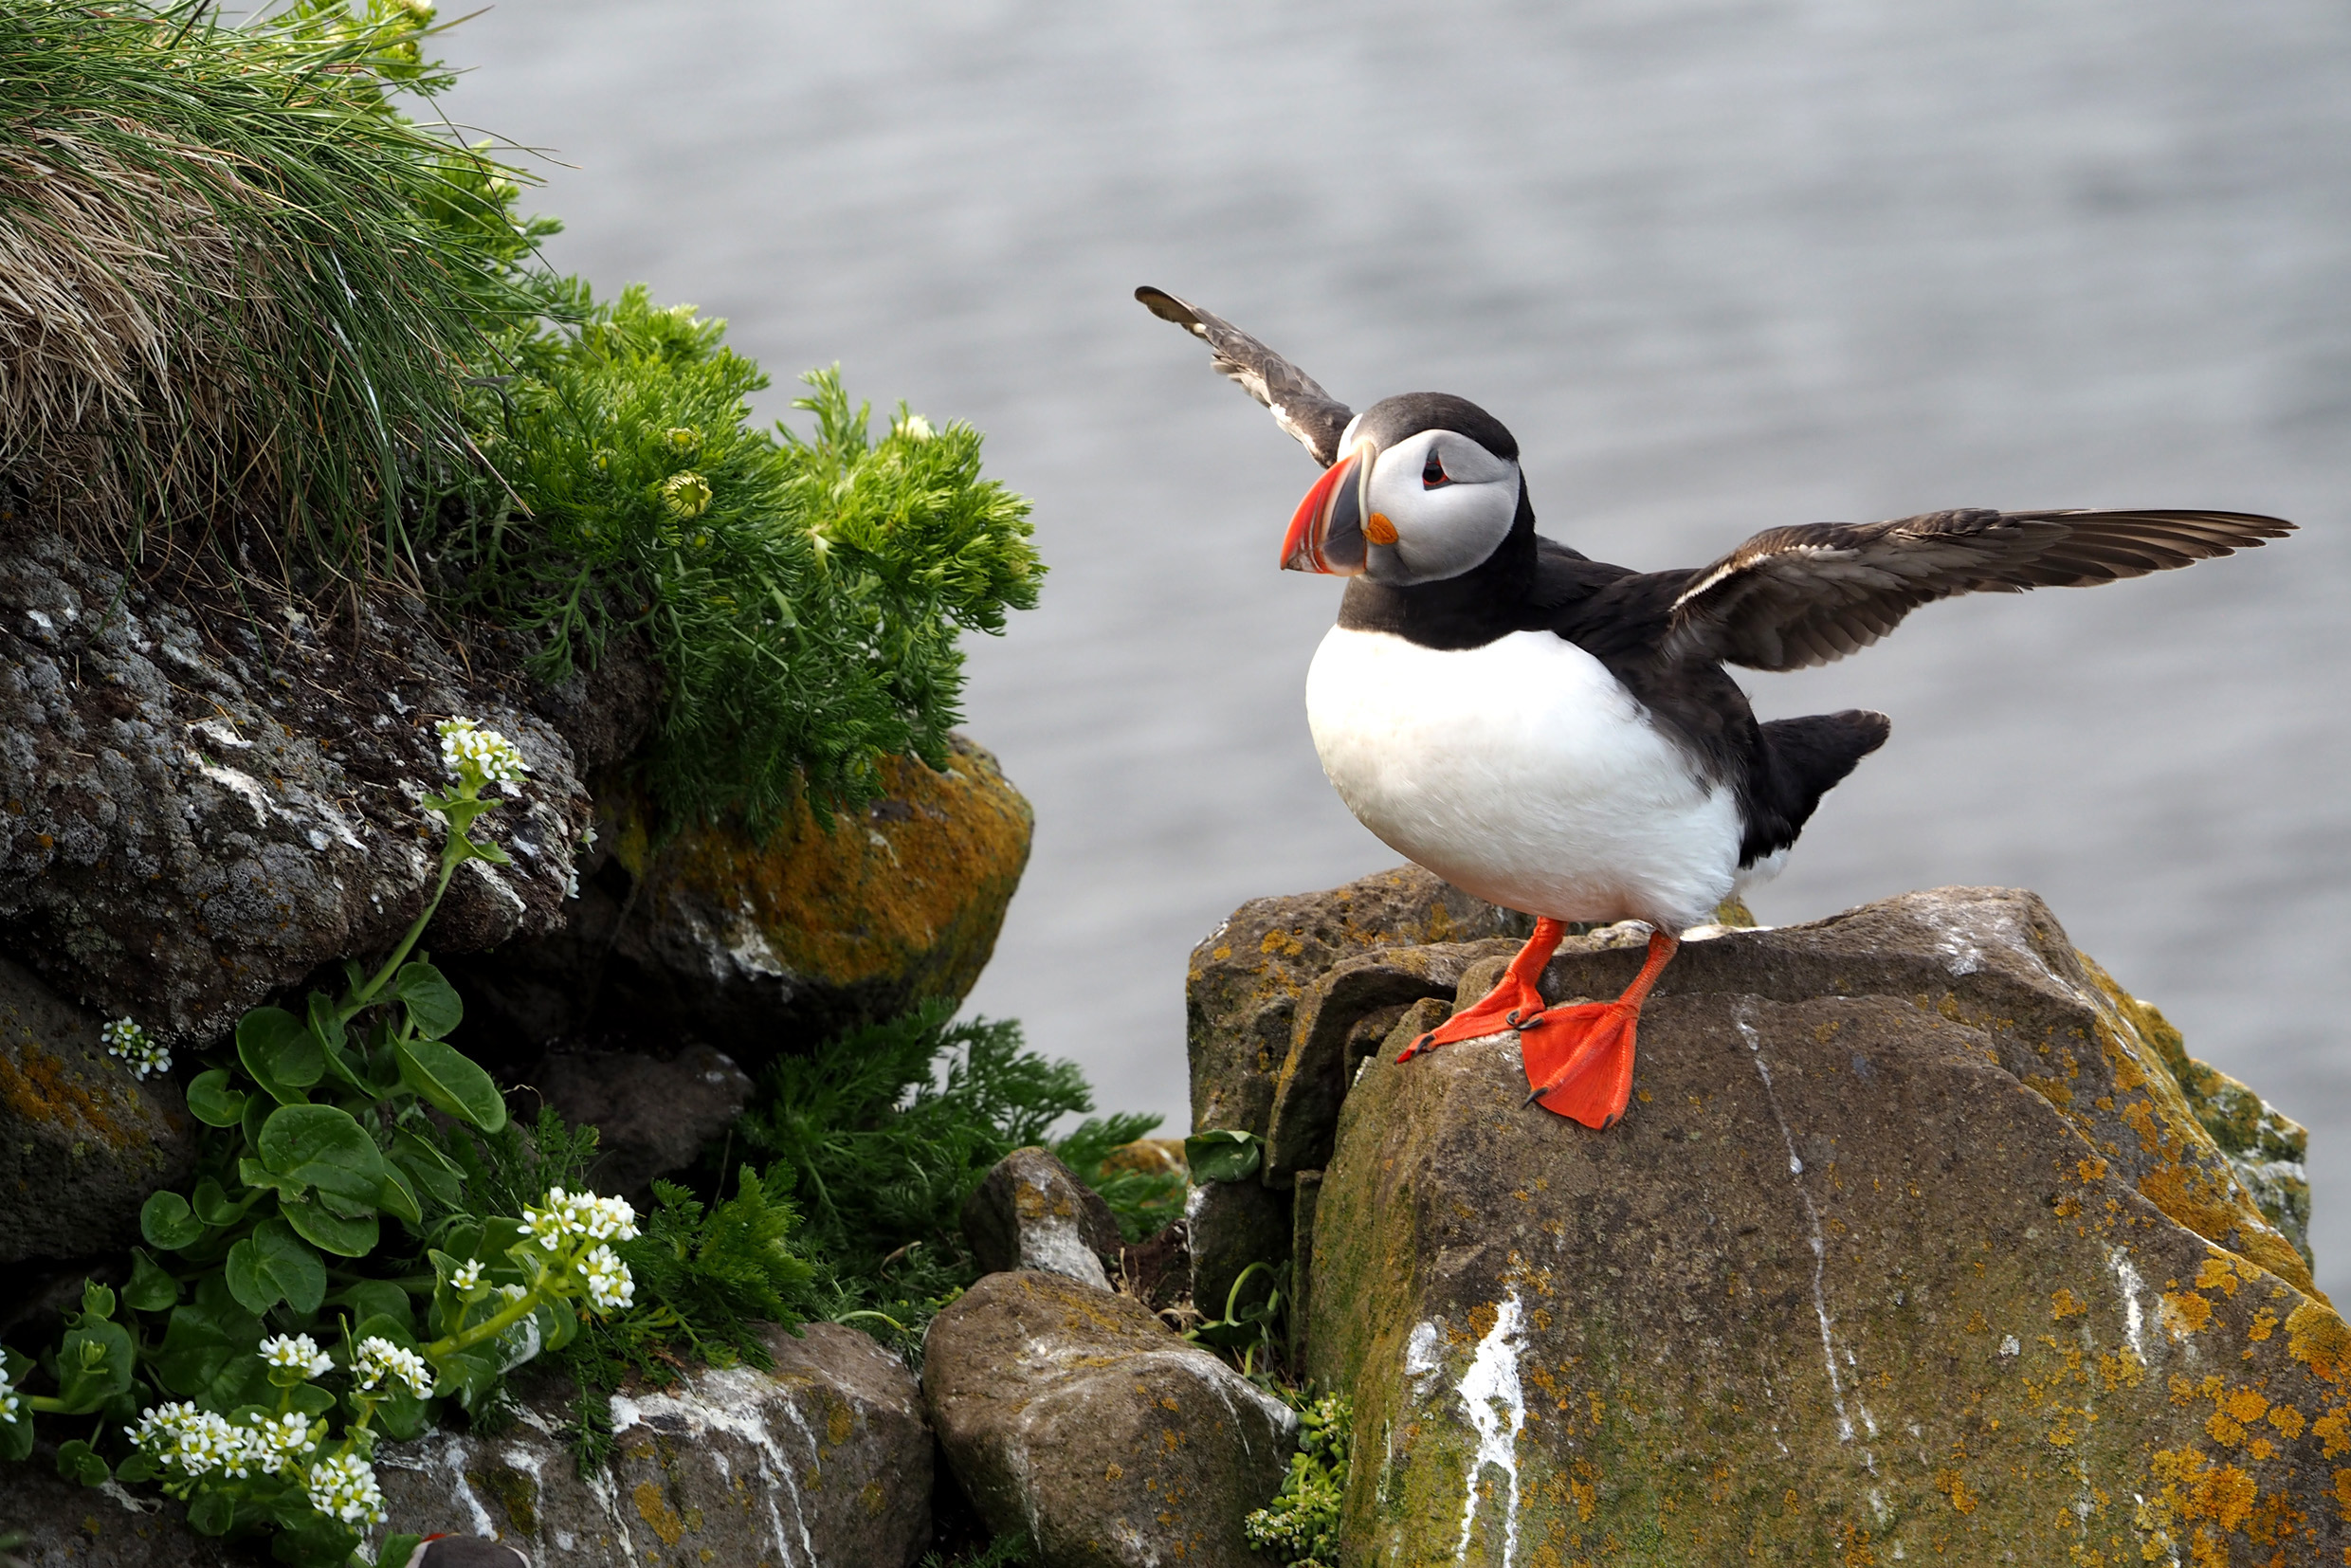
[{"x": 1432, "y": 474}]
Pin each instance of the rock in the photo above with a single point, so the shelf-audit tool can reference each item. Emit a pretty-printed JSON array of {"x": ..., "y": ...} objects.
[
  {"x": 1229, "y": 1226},
  {"x": 652, "y": 1115},
  {"x": 1908, "y": 1246},
  {"x": 1078, "y": 1419},
  {"x": 766, "y": 948},
  {"x": 824, "y": 1460},
  {"x": 1241, "y": 993},
  {"x": 1031, "y": 1211},
  {"x": 202, "y": 802},
  {"x": 69, "y": 1525},
  {"x": 82, "y": 1140}
]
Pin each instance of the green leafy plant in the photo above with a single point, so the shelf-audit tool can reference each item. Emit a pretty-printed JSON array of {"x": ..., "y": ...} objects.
[
  {"x": 1251, "y": 1330},
  {"x": 1300, "y": 1527},
  {"x": 320, "y": 1133},
  {"x": 803, "y": 596},
  {"x": 883, "y": 1133}
]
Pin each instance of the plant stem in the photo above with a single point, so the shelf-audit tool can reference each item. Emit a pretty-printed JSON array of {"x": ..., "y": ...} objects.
[
  {"x": 490, "y": 1327},
  {"x": 451, "y": 857}
]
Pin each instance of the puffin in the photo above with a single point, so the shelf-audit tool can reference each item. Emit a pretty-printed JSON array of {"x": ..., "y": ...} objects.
[{"x": 1558, "y": 736}]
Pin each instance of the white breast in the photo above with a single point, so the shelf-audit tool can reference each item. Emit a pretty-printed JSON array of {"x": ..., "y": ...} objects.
[{"x": 1523, "y": 773}]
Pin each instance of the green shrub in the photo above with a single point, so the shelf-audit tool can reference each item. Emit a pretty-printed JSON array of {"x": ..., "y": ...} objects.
[
  {"x": 803, "y": 596},
  {"x": 888, "y": 1129}
]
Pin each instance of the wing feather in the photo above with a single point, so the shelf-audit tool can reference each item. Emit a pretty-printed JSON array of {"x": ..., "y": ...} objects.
[
  {"x": 1298, "y": 404},
  {"x": 1790, "y": 597}
]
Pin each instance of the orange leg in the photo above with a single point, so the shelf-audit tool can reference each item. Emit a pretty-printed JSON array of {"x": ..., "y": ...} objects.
[
  {"x": 1512, "y": 1001},
  {"x": 1579, "y": 1058}
]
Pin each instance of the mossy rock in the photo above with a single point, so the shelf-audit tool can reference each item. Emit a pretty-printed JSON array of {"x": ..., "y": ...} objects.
[
  {"x": 1247, "y": 976},
  {"x": 765, "y": 946},
  {"x": 1910, "y": 1246},
  {"x": 83, "y": 1141}
]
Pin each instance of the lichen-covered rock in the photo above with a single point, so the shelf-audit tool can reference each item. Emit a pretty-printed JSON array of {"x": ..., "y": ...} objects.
[
  {"x": 82, "y": 1140},
  {"x": 1241, "y": 993},
  {"x": 69, "y": 1525},
  {"x": 1031, "y": 1211},
  {"x": 1078, "y": 1419},
  {"x": 1229, "y": 1226},
  {"x": 759, "y": 947},
  {"x": 824, "y": 1462},
  {"x": 653, "y": 1114},
  {"x": 1909, "y": 1247},
  {"x": 201, "y": 805}
]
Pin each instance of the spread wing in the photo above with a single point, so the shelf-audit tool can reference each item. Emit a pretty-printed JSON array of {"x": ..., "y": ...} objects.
[
  {"x": 1300, "y": 407},
  {"x": 1790, "y": 597}
]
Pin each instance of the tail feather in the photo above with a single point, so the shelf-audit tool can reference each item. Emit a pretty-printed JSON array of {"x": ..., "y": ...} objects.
[{"x": 1803, "y": 759}]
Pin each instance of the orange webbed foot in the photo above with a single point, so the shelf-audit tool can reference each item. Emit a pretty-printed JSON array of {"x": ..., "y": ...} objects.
[
  {"x": 1579, "y": 1060},
  {"x": 1512, "y": 1003}
]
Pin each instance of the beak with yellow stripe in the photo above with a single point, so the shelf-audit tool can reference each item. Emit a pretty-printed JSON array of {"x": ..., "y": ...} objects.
[{"x": 1418, "y": 493}]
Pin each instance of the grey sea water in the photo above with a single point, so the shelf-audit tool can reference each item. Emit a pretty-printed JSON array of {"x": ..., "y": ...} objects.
[{"x": 1721, "y": 264}]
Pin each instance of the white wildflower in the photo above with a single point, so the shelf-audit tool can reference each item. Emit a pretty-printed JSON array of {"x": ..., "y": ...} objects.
[
  {"x": 512, "y": 1292},
  {"x": 467, "y": 1276},
  {"x": 279, "y": 1444},
  {"x": 480, "y": 757},
  {"x": 600, "y": 1219},
  {"x": 7, "y": 1394},
  {"x": 609, "y": 1285},
  {"x": 124, "y": 1038},
  {"x": 298, "y": 1351},
  {"x": 344, "y": 1487},
  {"x": 380, "y": 1358},
  {"x": 194, "y": 1442},
  {"x": 551, "y": 1226}
]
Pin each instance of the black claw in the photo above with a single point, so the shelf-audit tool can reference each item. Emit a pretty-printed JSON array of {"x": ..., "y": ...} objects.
[
  {"x": 1418, "y": 1045},
  {"x": 1538, "y": 1094}
]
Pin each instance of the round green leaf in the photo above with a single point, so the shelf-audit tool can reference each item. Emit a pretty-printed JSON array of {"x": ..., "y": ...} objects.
[
  {"x": 78, "y": 1462},
  {"x": 166, "y": 1222},
  {"x": 274, "y": 1265},
  {"x": 210, "y": 1512},
  {"x": 321, "y": 1146},
  {"x": 213, "y": 1204},
  {"x": 432, "y": 1002},
  {"x": 1223, "y": 1155},
  {"x": 448, "y": 1077},
  {"x": 151, "y": 1289},
  {"x": 345, "y": 1238},
  {"x": 212, "y": 1102},
  {"x": 280, "y": 1054}
]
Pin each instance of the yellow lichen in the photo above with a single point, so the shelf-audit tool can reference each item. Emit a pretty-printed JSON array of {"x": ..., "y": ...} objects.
[
  {"x": 2064, "y": 1304},
  {"x": 2316, "y": 1337},
  {"x": 2184, "y": 1313}
]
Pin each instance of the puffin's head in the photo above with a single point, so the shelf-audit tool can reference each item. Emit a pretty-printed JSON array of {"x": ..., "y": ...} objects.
[{"x": 1424, "y": 487}]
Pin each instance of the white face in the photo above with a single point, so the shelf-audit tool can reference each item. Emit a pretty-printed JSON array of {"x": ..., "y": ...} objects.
[{"x": 1450, "y": 500}]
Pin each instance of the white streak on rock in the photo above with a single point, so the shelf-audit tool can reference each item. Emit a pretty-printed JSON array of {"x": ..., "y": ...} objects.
[
  {"x": 1490, "y": 1389},
  {"x": 1812, "y": 1214},
  {"x": 2134, "y": 1319}
]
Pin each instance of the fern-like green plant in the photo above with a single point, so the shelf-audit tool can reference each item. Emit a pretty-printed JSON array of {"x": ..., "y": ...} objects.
[{"x": 802, "y": 595}]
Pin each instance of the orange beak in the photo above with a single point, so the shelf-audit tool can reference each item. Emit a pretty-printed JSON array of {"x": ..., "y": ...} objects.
[{"x": 1326, "y": 532}]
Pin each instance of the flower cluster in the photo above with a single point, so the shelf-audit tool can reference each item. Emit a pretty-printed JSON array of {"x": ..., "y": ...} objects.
[
  {"x": 297, "y": 1351},
  {"x": 572, "y": 1220},
  {"x": 344, "y": 1487},
  {"x": 478, "y": 756},
  {"x": 196, "y": 1442},
  {"x": 380, "y": 1358},
  {"x": 609, "y": 1285},
  {"x": 580, "y": 1215},
  {"x": 467, "y": 1276},
  {"x": 7, "y": 1394},
  {"x": 124, "y": 1038}
]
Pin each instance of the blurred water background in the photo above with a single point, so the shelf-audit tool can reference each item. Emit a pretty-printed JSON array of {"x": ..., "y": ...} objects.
[{"x": 1721, "y": 264}]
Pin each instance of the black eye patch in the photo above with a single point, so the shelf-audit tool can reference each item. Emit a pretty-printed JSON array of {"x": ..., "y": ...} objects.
[{"x": 1432, "y": 474}]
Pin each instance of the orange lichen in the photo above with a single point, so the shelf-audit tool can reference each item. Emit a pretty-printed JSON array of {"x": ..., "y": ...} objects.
[
  {"x": 2184, "y": 1313},
  {"x": 38, "y": 1087},
  {"x": 2194, "y": 1488},
  {"x": 2317, "y": 1338},
  {"x": 2064, "y": 1304},
  {"x": 2216, "y": 1274},
  {"x": 1954, "y": 1486}
]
